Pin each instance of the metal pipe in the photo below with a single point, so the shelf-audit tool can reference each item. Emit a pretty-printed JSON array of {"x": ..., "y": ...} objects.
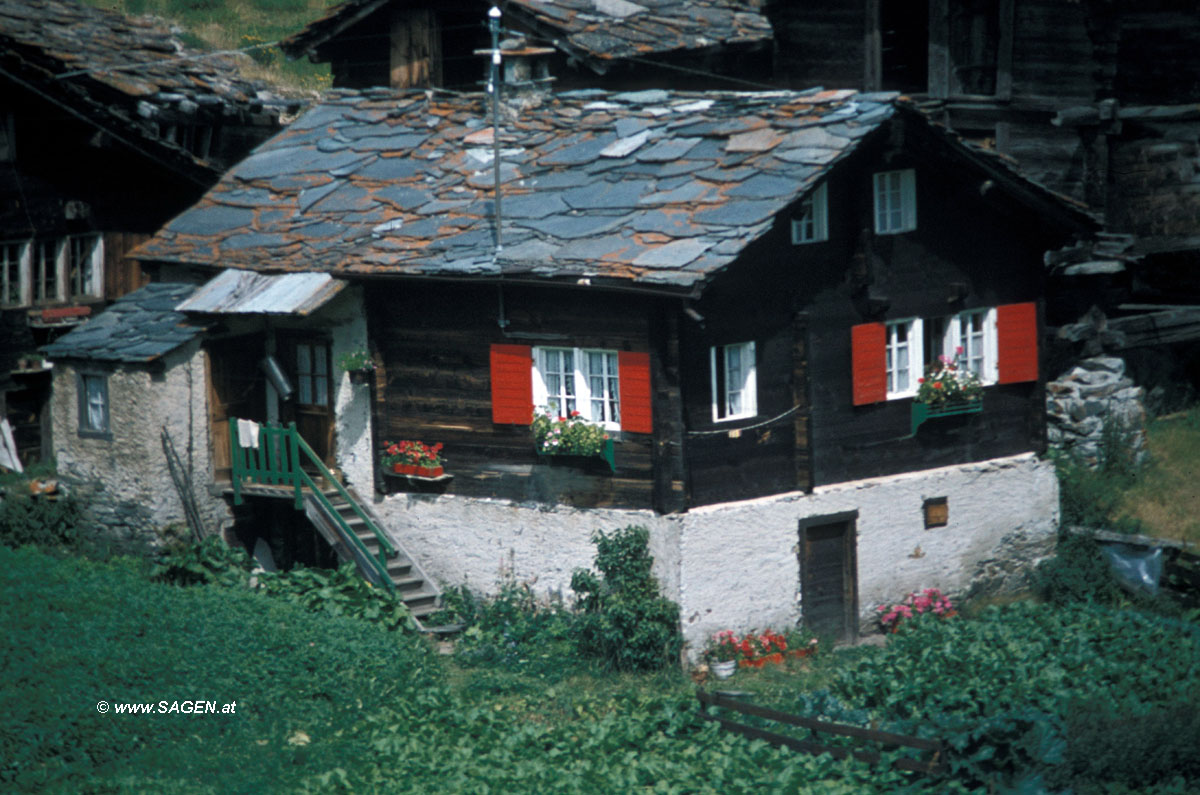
[{"x": 494, "y": 87}]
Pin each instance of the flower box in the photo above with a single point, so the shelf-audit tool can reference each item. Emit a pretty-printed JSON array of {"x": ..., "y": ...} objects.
[
  {"x": 430, "y": 472},
  {"x": 928, "y": 411},
  {"x": 404, "y": 469}
]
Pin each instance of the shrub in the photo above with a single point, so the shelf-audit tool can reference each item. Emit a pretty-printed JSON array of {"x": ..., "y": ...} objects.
[
  {"x": 200, "y": 563},
  {"x": 340, "y": 592},
  {"x": 1106, "y": 744},
  {"x": 41, "y": 521},
  {"x": 513, "y": 632},
  {"x": 624, "y": 621},
  {"x": 1078, "y": 572}
]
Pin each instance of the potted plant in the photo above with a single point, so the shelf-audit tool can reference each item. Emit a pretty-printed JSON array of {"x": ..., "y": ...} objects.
[
  {"x": 409, "y": 457},
  {"x": 722, "y": 653},
  {"x": 946, "y": 389},
  {"x": 571, "y": 436},
  {"x": 358, "y": 365}
]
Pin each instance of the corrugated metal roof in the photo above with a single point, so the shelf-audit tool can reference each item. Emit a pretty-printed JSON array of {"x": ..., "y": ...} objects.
[{"x": 237, "y": 292}]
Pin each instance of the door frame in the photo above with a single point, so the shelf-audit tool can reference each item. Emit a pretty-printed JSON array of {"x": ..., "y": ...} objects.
[{"x": 849, "y": 565}]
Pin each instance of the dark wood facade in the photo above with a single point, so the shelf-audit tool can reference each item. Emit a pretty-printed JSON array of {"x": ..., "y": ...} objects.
[{"x": 975, "y": 246}]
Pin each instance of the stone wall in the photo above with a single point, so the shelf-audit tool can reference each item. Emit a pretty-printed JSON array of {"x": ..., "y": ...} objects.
[
  {"x": 1081, "y": 402},
  {"x": 123, "y": 479}
]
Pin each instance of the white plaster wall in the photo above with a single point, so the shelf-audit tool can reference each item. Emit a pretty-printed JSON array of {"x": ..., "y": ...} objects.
[
  {"x": 740, "y": 566},
  {"x": 133, "y": 486},
  {"x": 352, "y": 402},
  {"x": 736, "y": 566},
  {"x": 479, "y": 541}
]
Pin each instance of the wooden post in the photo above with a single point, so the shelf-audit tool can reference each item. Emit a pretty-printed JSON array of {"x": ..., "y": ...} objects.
[{"x": 416, "y": 50}]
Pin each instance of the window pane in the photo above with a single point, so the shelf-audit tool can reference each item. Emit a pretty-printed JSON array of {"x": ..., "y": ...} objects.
[
  {"x": 95, "y": 400},
  {"x": 45, "y": 269},
  {"x": 10, "y": 273}
]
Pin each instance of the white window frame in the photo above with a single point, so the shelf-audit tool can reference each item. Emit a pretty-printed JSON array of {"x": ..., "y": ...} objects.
[
  {"x": 748, "y": 390},
  {"x": 312, "y": 374},
  {"x": 576, "y": 387},
  {"x": 812, "y": 225},
  {"x": 895, "y": 201},
  {"x": 20, "y": 250},
  {"x": 914, "y": 346},
  {"x": 93, "y": 267},
  {"x": 38, "y": 270},
  {"x": 987, "y": 342}
]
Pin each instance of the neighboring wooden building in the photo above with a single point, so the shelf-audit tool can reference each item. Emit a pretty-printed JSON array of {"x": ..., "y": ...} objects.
[
  {"x": 741, "y": 289},
  {"x": 614, "y": 44},
  {"x": 1092, "y": 99},
  {"x": 108, "y": 128}
]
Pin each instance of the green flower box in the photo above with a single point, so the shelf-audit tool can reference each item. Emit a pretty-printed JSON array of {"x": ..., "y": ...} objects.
[{"x": 929, "y": 411}]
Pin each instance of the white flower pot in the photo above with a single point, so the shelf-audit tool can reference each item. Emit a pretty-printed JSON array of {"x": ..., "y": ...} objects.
[{"x": 724, "y": 668}]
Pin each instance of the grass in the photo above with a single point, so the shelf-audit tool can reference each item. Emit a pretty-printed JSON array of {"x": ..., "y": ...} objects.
[
  {"x": 1165, "y": 498},
  {"x": 239, "y": 24}
]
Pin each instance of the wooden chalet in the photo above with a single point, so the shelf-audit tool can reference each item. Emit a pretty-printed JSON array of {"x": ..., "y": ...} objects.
[
  {"x": 736, "y": 269},
  {"x": 108, "y": 128},
  {"x": 615, "y": 44}
]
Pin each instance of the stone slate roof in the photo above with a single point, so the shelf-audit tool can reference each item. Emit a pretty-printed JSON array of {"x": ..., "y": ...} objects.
[
  {"x": 138, "y": 327},
  {"x": 656, "y": 187},
  {"x": 593, "y": 30},
  {"x": 608, "y": 30},
  {"x": 46, "y": 46}
]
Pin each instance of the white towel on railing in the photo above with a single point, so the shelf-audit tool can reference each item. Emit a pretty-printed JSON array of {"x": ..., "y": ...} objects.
[{"x": 248, "y": 433}]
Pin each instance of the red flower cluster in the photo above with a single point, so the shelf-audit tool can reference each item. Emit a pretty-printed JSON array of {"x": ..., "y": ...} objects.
[
  {"x": 931, "y": 600},
  {"x": 411, "y": 453}
]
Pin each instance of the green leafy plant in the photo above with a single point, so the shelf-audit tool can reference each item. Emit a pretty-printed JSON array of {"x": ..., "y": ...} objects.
[
  {"x": 200, "y": 563},
  {"x": 340, "y": 592},
  {"x": 946, "y": 382},
  {"x": 513, "y": 631},
  {"x": 356, "y": 361},
  {"x": 571, "y": 435},
  {"x": 40, "y": 520},
  {"x": 625, "y": 622}
]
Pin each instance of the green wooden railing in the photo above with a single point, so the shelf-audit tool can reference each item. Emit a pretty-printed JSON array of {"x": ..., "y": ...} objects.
[{"x": 277, "y": 462}]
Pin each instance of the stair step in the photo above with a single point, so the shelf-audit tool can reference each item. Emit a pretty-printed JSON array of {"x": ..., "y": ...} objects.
[{"x": 408, "y": 583}]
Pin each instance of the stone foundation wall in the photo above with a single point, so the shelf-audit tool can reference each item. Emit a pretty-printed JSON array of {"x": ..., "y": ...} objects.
[
  {"x": 1093, "y": 393},
  {"x": 736, "y": 566}
]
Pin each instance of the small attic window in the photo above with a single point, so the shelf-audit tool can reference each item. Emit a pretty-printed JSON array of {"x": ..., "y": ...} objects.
[
  {"x": 895, "y": 202},
  {"x": 812, "y": 223}
]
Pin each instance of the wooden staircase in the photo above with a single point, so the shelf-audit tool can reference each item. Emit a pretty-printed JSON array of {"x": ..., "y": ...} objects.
[
  {"x": 407, "y": 579},
  {"x": 283, "y": 465}
]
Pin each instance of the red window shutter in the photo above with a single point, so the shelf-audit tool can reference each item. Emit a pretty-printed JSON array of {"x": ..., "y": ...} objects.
[
  {"x": 636, "y": 406},
  {"x": 512, "y": 384},
  {"x": 1017, "y": 343},
  {"x": 868, "y": 352}
]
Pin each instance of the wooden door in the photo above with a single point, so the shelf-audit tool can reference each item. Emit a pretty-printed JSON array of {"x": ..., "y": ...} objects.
[
  {"x": 828, "y": 576},
  {"x": 307, "y": 362},
  {"x": 235, "y": 389}
]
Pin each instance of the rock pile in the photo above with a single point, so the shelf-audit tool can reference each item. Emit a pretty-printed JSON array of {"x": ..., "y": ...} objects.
[{"x": 1092, "y": 394}]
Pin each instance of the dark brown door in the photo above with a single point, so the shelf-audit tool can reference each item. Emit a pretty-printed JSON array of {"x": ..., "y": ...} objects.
[
  {"x": 828, "y": 579},
  {"x": 235, "y": 389},
  {"x": 307, "y": 362}
]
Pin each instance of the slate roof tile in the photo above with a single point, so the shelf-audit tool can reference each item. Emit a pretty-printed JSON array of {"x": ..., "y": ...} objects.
[
  {"x": 567, "y": 210},
  {"x": 81, "y": 58},
  {"x": 138, "y": 327}
]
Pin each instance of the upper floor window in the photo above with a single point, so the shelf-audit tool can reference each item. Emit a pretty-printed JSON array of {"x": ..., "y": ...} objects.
[
  {"x": 895, "y": 201},
  {"x": 13, "y": 269},
  {"x": 812, "y": 225},
  {"x": 734, "y": 381},
  {"x": 47, "y": 281},
  {"x": 93, "y": 404},
  {"x": 903, "y": 349},
  {"x": 84, "y": 265},
  {"x": 584, "y": 380}
]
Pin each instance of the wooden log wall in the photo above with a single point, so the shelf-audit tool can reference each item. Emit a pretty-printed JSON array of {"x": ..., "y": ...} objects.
[{"x": 433, "y": 342}]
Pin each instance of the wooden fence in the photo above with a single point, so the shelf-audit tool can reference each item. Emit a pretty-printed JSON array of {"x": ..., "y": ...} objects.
[{"x": 877, "y": 740}]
